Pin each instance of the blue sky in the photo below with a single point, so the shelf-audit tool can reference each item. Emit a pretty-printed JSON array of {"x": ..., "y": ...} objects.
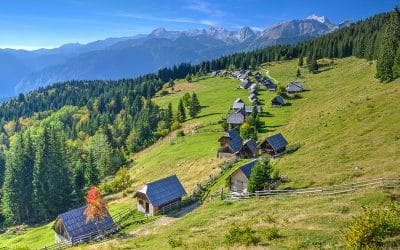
[{"x": 32, "y": 24}]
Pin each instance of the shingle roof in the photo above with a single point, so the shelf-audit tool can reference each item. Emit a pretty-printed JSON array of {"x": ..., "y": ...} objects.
[
  {"x": 245, "y": 84},
  {"x": 246, "y": 169},
  {"x": 278, "y": 99},
  {"x": 294, "y": 87},
  {"x": 249, "y": 109},
  {"x": 236, "y": 140},
  {"x": 163, "y": 191},
  {"x": 238, "y": 105},
  {"x": 277, "y": 141},
  {"x": 239, "y": 100},
  {"x": 75, "y": 223},
  {"x": 235, "y": 118},
  {"x": 251, "y": 144}
]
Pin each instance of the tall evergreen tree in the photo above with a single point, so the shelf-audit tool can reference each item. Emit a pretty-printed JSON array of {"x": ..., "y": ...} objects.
[
  {"x": 388, "y": 48},
  {"x": 169, "y": 116},
  {"x": 194, "y": 106},
  {"x": 181, "y": 114},
  {"x": 91, "y": 172},
  {"x": 260, "y": 176},
  {"x": 2, "y": 166},
  {"x": 301, "y": 61},
  {"x": 396, "y": 64}
]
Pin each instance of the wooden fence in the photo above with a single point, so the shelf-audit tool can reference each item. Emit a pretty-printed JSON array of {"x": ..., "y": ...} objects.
[{"x": 326, "y": 190}]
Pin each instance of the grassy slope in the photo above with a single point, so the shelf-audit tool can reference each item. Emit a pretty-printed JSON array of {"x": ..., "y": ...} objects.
[{"x": 346, "y": 119}]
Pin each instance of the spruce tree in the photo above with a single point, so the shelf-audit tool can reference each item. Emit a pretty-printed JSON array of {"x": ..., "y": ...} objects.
[
  {"x": 194, "y": 106},
  {"x": 91, "y": 172},
  {"x": 389, "y": 45},
  {"x": 169, "y": 116},
  {"x": 181, "y": 114},
  {"x": 298, "y": 73},
  {"x": 301, "y": 61},
  {"x": 79, "y": 178},
  {"x": 260, "y": 176},
  {"x": 396, "y": 65},
  {"x": 2, "y": 166}
]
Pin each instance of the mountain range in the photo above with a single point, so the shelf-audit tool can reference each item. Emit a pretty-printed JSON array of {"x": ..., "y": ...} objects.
[{"x": 112, "y": 58}]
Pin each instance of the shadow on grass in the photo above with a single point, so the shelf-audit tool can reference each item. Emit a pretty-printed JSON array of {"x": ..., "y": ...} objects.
[{"x": 205, "y": 115}]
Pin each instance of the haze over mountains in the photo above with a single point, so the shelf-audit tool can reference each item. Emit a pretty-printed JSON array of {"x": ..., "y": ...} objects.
[{"x": 113, "y": 58}]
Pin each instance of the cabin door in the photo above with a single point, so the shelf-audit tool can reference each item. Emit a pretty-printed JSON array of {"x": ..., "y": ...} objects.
[{"x": 147, "y": 207}]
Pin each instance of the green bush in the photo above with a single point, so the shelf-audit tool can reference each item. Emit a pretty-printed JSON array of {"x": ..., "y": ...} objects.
[
  {"x": 272, "y": 234},
  {"x": 180, "y": 133},
  {"x": 175, "y": 242},
  {"x": 241, "y": 235},
  {"x": 106, "y": 188},
  {"x": 372, "y": 227}
]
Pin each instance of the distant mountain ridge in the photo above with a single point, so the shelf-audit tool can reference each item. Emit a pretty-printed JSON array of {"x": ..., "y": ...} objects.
[{"x": 124, "y": 57}]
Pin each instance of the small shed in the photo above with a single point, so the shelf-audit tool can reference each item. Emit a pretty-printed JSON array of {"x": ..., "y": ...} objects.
[
  {"x": 258, "y": 76},
  {"x": 278, "y": 101},
  {"x": 274, "y": 145},
  {"x": 235, "y": 119},
  {"x": 271, "y": 86},
  {"x": 294, "y": 87},
  {"x": 240, "y": 177},
  {"x": 249, "y": 109},
  {"x": 71, "y": 227},
  {"x": 238, "y": 104},
  {"x": 249, "y": 149},
  {"x": 245, "y": 84},
  {"x": 160, "y": 196},
  {"x": 230, "y": 144}
]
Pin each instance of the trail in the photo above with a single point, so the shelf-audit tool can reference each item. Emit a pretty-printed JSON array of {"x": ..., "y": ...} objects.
[{"x": 270, "y": 77}]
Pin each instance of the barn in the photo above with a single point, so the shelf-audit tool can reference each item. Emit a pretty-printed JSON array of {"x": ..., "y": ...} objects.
[
  {"x": 240, "y": 177},
  {"x": 71, "y": 227},
  {"x": 249, "y": 149},
  {"x": 274, "y": 145},
  {"x": 160, "y": 196}
]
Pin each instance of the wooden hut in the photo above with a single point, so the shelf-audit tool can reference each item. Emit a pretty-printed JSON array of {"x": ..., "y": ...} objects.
[
  {"x": 274, "y": 145},
  {"x": 240, "y": 177},
  {"x": 249, "y": 149},
  {"x": 238, "y": 104},
  {"x": 230, "y": 144},
  {"x": 72, "y": 227},
  {"x": 278, "y": 101},
  {"x": 235, "y": 119},
  {"x": 294, "y": 87},
  {"x": 160, "y": 196}
]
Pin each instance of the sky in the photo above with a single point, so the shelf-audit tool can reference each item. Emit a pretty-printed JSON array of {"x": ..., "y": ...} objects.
[{"x": 33, "y": 24}]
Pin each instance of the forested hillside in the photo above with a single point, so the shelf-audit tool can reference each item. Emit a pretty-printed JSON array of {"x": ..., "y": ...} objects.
[{"x": 59, "y": 140}]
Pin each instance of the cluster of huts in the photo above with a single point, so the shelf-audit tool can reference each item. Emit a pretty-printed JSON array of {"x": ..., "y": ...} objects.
[
  {"x": 239, "y": 112},
  {"x": 152, "y": 198}
]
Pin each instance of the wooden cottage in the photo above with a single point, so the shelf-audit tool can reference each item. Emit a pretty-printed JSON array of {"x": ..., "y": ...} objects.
[
  {"x": 258, "y": 76},
  {"x": 235, "y": 119},
  {"x": 240, "y": 177},
  {"x": 278, "y": 101},
  {"x": 245, "y": 83},
  {"x": 230, "y": 144},
  {"x": 294, "y": 87},
  {"x": 160, "y": 196},
  {"x": 249, "y": 149},
  {"x": 274, "y": 145},
  {"x": 238, "y": 104},
  {"x": 72, "y": 227},
  {"x": 249, "y": 109}
]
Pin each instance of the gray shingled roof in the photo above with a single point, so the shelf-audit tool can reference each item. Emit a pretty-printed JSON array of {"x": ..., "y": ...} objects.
[
  {"x": 75, "y": 223},
  {"x": 278, "y": 100},
  {"x": 251, "y": 144},
  {"x": 235, "y": 118},
  {"x": 163, "y": 191},
  {"x": 294, "y": 87},
  {"x": 238, "y": 105},
  {"x": 246, "y": 169},
  {"x": 245, "y": 84},
  {"x": 277, "y": 141},
  {"x": 249, "y": 109}
]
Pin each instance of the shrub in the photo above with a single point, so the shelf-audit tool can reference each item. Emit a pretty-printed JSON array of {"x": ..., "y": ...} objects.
[
  {"x": 175, "y": 242},
  {"x": 241, "y": 235},
  {"x": 175, "y": 126},
  {"x": 180, "y": 133},
  {"x": 272, "y": 234},
  {"x": 106, "y": 188},
  {"x": 122, "y": 180},
  {"x": 370, "y": 229}
]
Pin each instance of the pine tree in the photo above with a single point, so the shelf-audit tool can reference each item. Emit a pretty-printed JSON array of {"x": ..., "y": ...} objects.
[
  {"x": 298, "y": 73},
  {"x": 181, "y": 114},
  {"x": 390, "y": 41},
  {"x": 169, "y": 116},
  {"x": 313, "y": 67},
  {"x": 2, "y": 166},
  {"x": 91, "y": 172},
  {"x": 79, "y": 178},
  {"x": 194, "y": 107},
  {"x": 301, "y": 61},
  {"x": 260, "y": 176},
  {"x": 396, "y": 65}
]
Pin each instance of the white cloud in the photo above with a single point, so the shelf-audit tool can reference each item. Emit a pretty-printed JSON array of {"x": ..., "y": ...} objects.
[{"x": 205, "y": 8}]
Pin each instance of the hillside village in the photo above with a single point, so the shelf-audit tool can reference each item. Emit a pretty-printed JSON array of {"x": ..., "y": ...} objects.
[{"x": 265, "y": 152}]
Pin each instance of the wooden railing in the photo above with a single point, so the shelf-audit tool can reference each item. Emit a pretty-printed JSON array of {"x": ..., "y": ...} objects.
[{"x": 326, "y": 190}]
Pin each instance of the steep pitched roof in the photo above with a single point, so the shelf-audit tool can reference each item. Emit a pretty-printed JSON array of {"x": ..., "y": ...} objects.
[
  {"x": 278, "y": 100},
  {"x": 235, "y": 118},
  {"x": 163, "y": 191},
  {"x": 236, "y": 141},
  {"x": 246, "y": 168},
  {"x": 277, "y": 141},
  {"x": 75, "y": 224},
  {"x": 294, "y": 87},
  {"x": 245, "y": 84},
  {"x": 251, "y": 144},
  {"x": 239, "y": 100},
  {"x": 249, "y": 109}
]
